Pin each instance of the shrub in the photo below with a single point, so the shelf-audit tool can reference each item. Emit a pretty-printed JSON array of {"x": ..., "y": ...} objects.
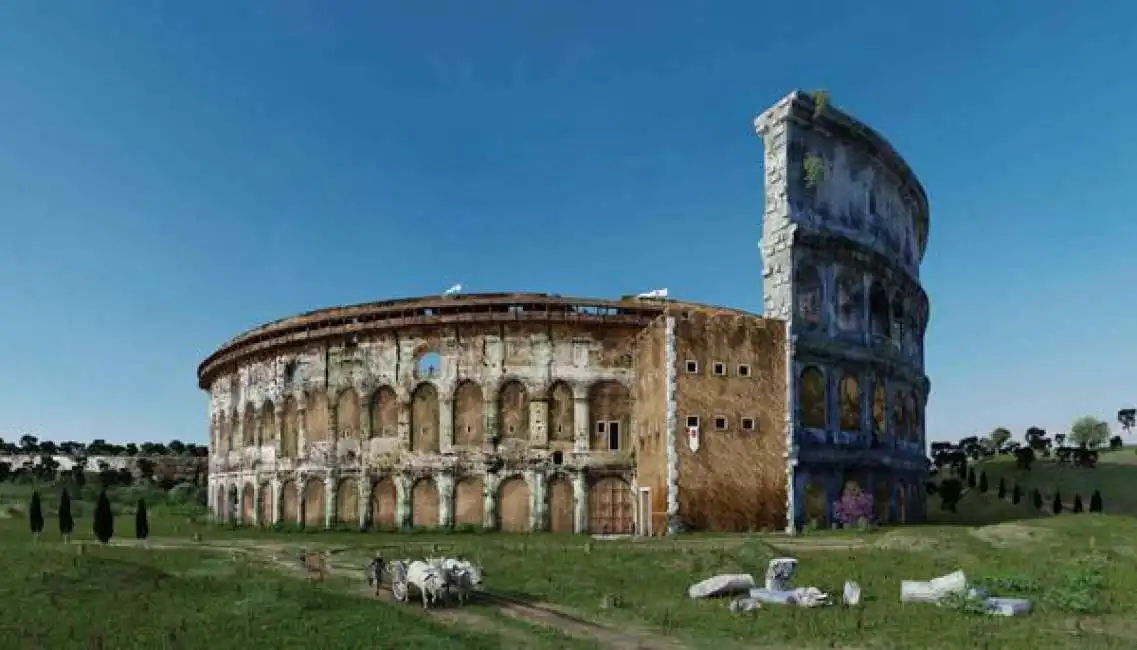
[
  {"x": 1078, "y": 503},
  {"x": 141, "y": 524},
  {"x": 1057, "y": 505},
  {"x": 1095, "y": 501},
  {"x": 852, "y": 507},
  {"x": 1002, "y": 488},
  {"x": 1036, "y": 498},
  {"x": 66, "y": 521},
  {"x": 950, "y": 491},
  {"x": 1016, "y": 495},
  {"x": 970, "y": 477},
  {"x": 104, "y": 519},
  {"x": 983, "y": 482},
  {"x": 35, "y": 515}
]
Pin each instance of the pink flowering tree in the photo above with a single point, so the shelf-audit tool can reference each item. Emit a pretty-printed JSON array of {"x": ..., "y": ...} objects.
[{"x": 852, "y": 507}]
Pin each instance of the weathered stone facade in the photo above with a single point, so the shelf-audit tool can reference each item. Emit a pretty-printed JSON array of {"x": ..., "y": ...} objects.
[{"x": 845, "y": 229}]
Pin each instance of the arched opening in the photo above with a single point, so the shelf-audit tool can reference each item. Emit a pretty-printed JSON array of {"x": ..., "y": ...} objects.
[
  {"x": 268, "y": 423},
  {"x": 850, "y": 301},
  {"x": 289, "y": 507},
  {"x": 424, "y": 419},
  {"x": 561, "y": 413},
  {"x": 558, "y": 458},
  {"x": 316, "y": 417},
  {"x": 428, "y": 365},
  {"x": 347, "y": 414},
  {"x": 248, "y": 504},
  {"x": 513, "y": 411},
  {"x": 513, "y": 505},
  {"x": 469, "y": 502},
  {"x": 384, "y": 413},
  {"x": 850, "y": 403},
  {"x": 811, "y": 395},
  {"x": 809, "y": 295},
  {"x": 898, "y": 319},
  {"x": 264, "y": 505},
  {"x": 610, "y": 507},
  {"x": 899, "y": 418},
  {"x": 231, "y": 512},
  {"x": 879, "y": 317},
  {"x": 879, "y": 408},
  {"x": 384, "y": 502},
  {"x": 347, "y": 502},
  {"x": 915, "y": 423},
  {"x": 469, "y": 414},
  {"x": 882, "y": 499},
  {"x": 314, "y": 503},
  {"x": 234, "y": 425},
  {"x": 249, "y": 426},
  {"x": 424, "y": 504},
  {"x": 816, "y": 504},
  {"x": 610, "y": 405},
  {"x": 560, "y": 505},
  {"x": 290, "y": 431}
]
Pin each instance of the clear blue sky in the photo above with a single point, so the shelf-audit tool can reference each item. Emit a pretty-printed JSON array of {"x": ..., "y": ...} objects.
[{"x": 171, "y": 176}]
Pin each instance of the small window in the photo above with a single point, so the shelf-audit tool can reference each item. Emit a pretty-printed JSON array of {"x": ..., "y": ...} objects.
[
  {"x": 511, "y": 428},
  {"x": 744, "y": 370},
  {"x": 601, "y": 427},
  {"x": 692, "y": 422},
  {"x": 613, "y": 436},
  {"x": 747, "y": 424},
  {"x": 692, "y": 366},
  {"x": 719, "y": 369},
  {"x": 560, "y": 428},
  {"x": 469, "y": 429},
  {"x": 720, "y": 423},
  {"x": 558, "y": 457}
]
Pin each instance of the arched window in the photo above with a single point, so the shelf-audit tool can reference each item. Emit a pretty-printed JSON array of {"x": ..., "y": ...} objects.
[
  {"x": 879, "y": 408},
  {"x": 811, "y": 395},
  {"x": 850, "y": 403},
  {"x": 899, "y": 420},
  {"x": 850, "y": 302},
  {"x": 915, "y": 419},
  {"x": 808, "y": 295},
  {"x": 879, "y": 317}
]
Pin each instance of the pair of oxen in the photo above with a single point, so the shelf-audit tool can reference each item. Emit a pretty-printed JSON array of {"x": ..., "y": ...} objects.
[{"x": 434, "y": 579}]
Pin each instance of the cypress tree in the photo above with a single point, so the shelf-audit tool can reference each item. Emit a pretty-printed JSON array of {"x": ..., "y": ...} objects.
[
  {"x": 104, "y": 519},
  {"x": 1095, "y": 501},
  {"x": 1078, "y": 503},
  {"x": 1036, "y": 498},
  {"x": 66, "y": 521},
  {"x": 35, "y": 515},
  {"x": 1016, "y": 495},
  {"x": 141, "y": 524},
  {"x": 983, "y": 482},
  {"x": 1002, "y": 488},
  {"x": 970, "y": 477},
  {"x": 1057, "y": 505}
]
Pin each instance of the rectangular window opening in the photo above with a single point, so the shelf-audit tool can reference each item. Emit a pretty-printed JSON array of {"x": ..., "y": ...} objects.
[
  {"x": 692, "y": 422},
  {"x": 719, "y": 369},
  {"x": 747, "y": 424},
  {"x": 720, "y": 423},
  {"x": 613, "y": 436},
  {"x": 743, "y": 370},
  {"x": 601, "y": 427},
  {"x": 692, "y": 366}
]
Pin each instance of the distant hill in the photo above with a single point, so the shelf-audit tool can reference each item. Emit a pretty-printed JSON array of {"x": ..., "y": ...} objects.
[{"x": 1115, "y": 476}]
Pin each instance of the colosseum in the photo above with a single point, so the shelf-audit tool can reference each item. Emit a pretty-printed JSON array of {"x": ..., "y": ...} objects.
[{"x": 533, "y": 412}]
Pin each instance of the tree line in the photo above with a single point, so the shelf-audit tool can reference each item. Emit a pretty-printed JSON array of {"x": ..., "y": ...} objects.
[
  {"x": 103, "y": 523},
  {"x": 30, "y": 445}
]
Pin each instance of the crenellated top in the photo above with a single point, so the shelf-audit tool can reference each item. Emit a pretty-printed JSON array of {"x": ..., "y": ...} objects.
[{"x": 800, "y": 107}]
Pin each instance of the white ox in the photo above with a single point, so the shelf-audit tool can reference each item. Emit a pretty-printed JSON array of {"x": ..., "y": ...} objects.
[
  {"x": 464, "y": 576},
  {"x": 432, "y": 581}
]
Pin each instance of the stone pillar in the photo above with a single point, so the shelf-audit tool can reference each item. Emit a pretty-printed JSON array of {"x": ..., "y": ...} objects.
[
  {"x": 330, "y": 488},
  {"x": 403, "y": 489},
  {"x": 364, "y": 501},
  {"x": 365, "y": 402},
  {"x": 239, "y": 430},
  {"x": 581, "y": 422},
  {"x": 239, "y": 516},
  {"x": 277, "y": 502},
  {"x": 403, "y": 424},
  {"x": 278, "y": 423},
  {"x": 539, "y": 504},
  {"x": 445, "y": 484},
  {"x": 257, "y": 502},
  {"x": 490, "y": 484},
  {"x": 333, "y": 425},
  {"x": 580, "y": 502},
  {"x": 445, "y": 425},
  {"x": 539, "y": 422},
  {"x": 259, "y": 429},
  {"x": 301, "y": 429},
  {"x": 489, "y": 424},
  {"x": 300, "y": 481}
]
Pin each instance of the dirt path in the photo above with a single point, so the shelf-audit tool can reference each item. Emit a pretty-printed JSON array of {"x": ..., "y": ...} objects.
[{"x": 283, "y": 557}]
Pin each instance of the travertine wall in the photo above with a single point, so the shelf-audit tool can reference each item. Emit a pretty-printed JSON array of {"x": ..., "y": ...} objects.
[{"x": 650, "y": 396}]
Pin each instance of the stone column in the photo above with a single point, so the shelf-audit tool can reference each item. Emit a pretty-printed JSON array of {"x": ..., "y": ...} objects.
[
  {"x": 539, "y": 504},
  {"x": 239, "y": 516},
  {"x": 257, "y": 502},
  {"x": 277, "y": 502},
  {"x": 490, "y": 423},
  {"x": 278, "y": 424},
  {"x": 580, "y": 502},
  {"x": 403, "y": 423},
  {"x": 539, "y": 422},
  {"x": 364, "y": 501},
  {"x": 301, "y": 429},
  {"x": 445, "y": 425},
  {"x": 300, "y": 481},
  {"x": 445, "y": 484},
  {"x": 330, "y": 488},
  {"x": 490, "y": 483},
  {"x": 403, "y": 489},
  {"x": 239, "y": 430},
  {"x": 580, "y": 418},
  {"x": 333, "y": 425},
  {"x": 259, "y": 429},
  {"x": 365, "y": 402}
]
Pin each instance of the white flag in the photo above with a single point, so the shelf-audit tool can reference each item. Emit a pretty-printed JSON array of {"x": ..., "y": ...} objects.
[
  {"x": 452, "y": 290},
  {"x": 654, "y": 293}
]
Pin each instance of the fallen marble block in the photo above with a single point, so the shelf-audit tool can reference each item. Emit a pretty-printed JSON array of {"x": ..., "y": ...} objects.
[
  {"x": 852, "y": 594},
  {"x": 779, "y": 572},
  {"x": 721, "y": 585},
  {"x": 1008, "y": 606},
  {"x": 740, "y": 605},
  {"x": 931, "y": 591},
  {"x": 802, "y": 596}
]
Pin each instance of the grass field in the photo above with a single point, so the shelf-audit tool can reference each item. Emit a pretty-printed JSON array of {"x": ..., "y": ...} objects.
[
  {"x": 1115, "y": 475},
  {"x": 241, "y": 587}
]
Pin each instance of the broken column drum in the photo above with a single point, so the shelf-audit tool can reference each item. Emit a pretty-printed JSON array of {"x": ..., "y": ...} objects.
[{"x": 844, "y": 231}]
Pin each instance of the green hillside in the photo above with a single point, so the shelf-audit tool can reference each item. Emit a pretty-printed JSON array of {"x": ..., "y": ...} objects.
[{"x": 1115, "y": 476}]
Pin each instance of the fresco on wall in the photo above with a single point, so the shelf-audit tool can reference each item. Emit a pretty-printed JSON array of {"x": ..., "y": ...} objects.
[
  {"x": 850, "y": 301},
  {"x": 809, "y": 296}
]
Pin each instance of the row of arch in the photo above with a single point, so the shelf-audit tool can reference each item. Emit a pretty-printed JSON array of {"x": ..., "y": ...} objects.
[
  {"x": 893, "y": 502},
  {"x": 905, "y": 422},
  {"x": 876, "y": 311},
  {"x": 609, "y": 504},
  {"x": 472, "y": 416}
]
